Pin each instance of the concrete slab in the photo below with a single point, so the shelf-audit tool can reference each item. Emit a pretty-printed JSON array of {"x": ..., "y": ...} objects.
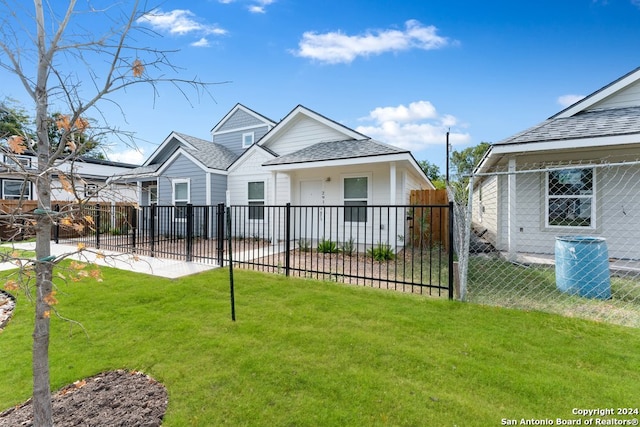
[{"x": 139, "y": 264}]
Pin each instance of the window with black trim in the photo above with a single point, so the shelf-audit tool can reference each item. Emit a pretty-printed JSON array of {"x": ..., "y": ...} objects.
[
  {"x": 256, "y": 200},
  {"x": 356, "y": 198},
  {"x": 90, "y": 190},
  {"x": 571, "y": 198},
  {"x": 16, "y": 190}
]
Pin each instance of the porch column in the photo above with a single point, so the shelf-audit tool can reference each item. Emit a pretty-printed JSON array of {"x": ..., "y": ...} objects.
[
  {"x": 393, "y": 202},
  {"x": 207, "y": 185},
  {"x": 208, "y": 207},
  {"x": 275, "y": 232},
  {"x": 511, "y": 211}
]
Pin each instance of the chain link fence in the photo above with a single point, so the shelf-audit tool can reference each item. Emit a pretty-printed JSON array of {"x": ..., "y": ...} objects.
[{"x": 561, "y": 238}]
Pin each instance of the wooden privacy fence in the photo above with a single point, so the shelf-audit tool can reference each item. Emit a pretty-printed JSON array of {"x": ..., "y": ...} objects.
[{"x": 429, "y": 226}]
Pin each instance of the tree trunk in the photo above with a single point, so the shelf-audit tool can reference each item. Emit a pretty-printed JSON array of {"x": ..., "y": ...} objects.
[{"x": 42, "y": 411}]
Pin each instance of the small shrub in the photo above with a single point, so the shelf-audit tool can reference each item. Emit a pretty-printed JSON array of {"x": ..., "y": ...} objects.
[
  {"x": 349, "y": 247},
  {"x": 381, "y": 253},
  {"x": 328, "y": 247},
  {"x": 304, "y": 245}
]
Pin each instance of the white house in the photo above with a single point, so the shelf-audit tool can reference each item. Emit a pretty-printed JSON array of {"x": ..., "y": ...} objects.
[
  {"x": 88, "y": 176},
  {"x": 304, "y": 159},
  {"x": 578, "y": 172}
]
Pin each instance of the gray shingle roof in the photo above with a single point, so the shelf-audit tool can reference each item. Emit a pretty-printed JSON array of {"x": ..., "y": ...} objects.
[
  {"x": 212, "y": 155},
  {"x": 586, "y": 124},
  {"x": 337, "y": 150}
]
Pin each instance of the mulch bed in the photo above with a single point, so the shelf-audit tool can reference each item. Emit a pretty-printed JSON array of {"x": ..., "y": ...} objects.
[{"x": 114, "y": 398}]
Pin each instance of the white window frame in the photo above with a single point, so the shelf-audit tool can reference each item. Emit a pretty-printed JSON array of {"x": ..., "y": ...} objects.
[
  {"x": 248, "y": 136},
  {"x": 177, "y": 216},
  {"x": 12, "y": 162},
  {"x": 591, "y": 197},
  {"x": 152, "y": 200},
  {"x": 256, "y": 201},
  {"x": 24, "y": 186},
  {"x": 369, "y": 177}
]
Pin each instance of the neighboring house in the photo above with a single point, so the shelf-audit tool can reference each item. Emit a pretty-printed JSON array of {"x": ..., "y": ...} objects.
[
  {"x": 575, "y": 173},
  {"x": 305, "y": 159},
  {"x": 89, "y": 176}
]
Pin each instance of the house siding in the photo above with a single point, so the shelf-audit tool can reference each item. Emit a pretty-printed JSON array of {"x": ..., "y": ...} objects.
[
  {"x": 218, "y": 189},
  {"x": 303, "y": 133},
  {"x": 230, "y": 133},
  {"x": 182, "y": 168},
  {"x": 616, "y": 216},
  {"x": 240, "y": 119},
  {"x": 233, "y": 140},
  {"x": 485, "y": 209},
  {"x": 629, "y": 97}
]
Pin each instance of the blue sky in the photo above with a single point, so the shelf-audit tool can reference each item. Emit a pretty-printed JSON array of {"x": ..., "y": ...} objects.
[{"x": 402, "y": 72}]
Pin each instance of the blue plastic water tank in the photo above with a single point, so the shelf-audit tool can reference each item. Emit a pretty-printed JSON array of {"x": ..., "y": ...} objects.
[{"x": 582, "y": 266}]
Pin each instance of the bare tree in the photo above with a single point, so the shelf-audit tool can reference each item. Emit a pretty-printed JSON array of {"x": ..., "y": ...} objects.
[{"x": 62, "y": 65}]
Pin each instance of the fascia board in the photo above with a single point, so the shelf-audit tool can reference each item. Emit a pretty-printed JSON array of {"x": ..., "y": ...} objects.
[
  {"x": 599, "y": 95},
  {"x": 566, "y": 144},
  {"x": 338, "y": 162},
  {"x": 244, "y": 156},
  {"x": 164, "y": 144}
]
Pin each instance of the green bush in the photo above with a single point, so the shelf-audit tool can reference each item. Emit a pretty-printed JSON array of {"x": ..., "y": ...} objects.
[
  {"x": 349, "y": 247},
  {"x": 328, "y": 247},
  {"x": 381, "y": 253},
  {"x": 304, "y": 245}
]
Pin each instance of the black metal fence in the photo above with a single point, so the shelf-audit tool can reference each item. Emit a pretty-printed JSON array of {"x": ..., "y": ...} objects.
[{"x": 405, "y": 248}]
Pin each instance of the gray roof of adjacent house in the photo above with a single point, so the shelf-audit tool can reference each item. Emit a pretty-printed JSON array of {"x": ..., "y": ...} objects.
[
  {"x": 586, "y": 124},
  {"x": 212, "y": 155},
  {"x": 337, "y": 150}
]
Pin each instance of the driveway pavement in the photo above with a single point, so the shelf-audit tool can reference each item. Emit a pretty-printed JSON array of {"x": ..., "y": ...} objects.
[{"x": 141, "y": 264}]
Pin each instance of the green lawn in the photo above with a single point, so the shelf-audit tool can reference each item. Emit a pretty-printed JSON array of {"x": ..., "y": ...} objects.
[{"x": 308, "y": 353}]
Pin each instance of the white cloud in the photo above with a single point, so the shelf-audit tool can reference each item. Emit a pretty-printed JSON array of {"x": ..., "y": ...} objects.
[
  {"x": 260, "y": 6},
  {"x": 414, "y": 127},
  {"x": 336, "y": 47},
  {"x": 415, "y": 111},
  {"x": 567, "y": 100},
  {"x": 132, "y": 156},
  {"x": 178, "y": 22},
  {"x": 203, "y": 42}
]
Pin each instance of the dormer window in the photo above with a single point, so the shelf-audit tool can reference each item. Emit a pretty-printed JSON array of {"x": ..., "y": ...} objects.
[{"x": 247, "y": 139}]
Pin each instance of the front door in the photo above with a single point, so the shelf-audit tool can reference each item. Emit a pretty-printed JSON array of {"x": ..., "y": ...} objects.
[{"x": 311, "y": 215}]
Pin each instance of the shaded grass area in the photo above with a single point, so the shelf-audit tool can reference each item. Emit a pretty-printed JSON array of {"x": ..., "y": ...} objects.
[
  {"x": 495, "y": 281},
  {"x": 309, "y": 353}
]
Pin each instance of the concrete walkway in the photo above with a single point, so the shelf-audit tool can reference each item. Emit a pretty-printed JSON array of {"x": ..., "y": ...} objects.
[{"x": 140, "y": 264}]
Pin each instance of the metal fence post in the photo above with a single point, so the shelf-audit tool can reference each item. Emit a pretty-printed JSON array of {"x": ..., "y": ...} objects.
[
  {"x": 231, "y": 284},
  {"x": 189, "y": 239},
  {"x": 220, "y": 232},
  {"x": 152, "y": 229},
  {"x": 287, "y": 239},
  {"x": 134, "y": 225},
  {"x": 451, "y": 250},
  {"x": 56, "y": 229},
  {"x": 98, "y": 226}
]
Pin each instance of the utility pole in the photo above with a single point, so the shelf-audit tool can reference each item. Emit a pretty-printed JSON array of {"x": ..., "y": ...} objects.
[{"x": 447, "y": 176}]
